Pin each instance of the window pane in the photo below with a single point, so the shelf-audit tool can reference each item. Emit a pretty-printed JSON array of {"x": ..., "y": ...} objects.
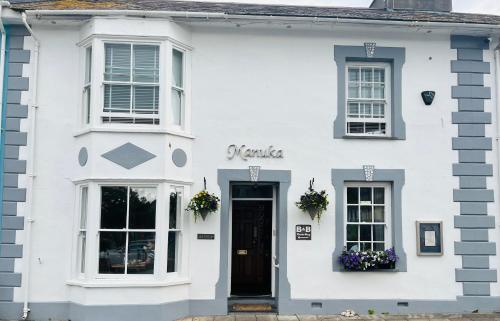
[
  {"x": 352, "y": 213},
  {"x": 173, "y": 243},
  {"x": 366, "y": 214},
  {"x": 378, "y": 91},
  {"x": 356, "y": 128},
  {"x": 146, "y": 99},
  {"x": 379, "y": 213},
  {"x": 353, "y": 91},
  {"x": 366, "y": 75},
  {"x": 352, "y": 246},
  {"x": 374, "y": 128},
  {"x": 366, "y": 110},
  {"x": 141, "y": 253},
  {"x": 83, "y": 244},
  {"x": 83, "y": 209},
  {"x": 366, "y": 194},
  {"x": 353, "y": 110},
  {"x": 366, "y": 246},
  {"x": 252, "y": 191},
  {"x": 117, "y": 98},
  {"x": 366, "y": 91},
  {"x": 354, "y": 74},
  {"x": 117, "y": 63},
  {"x": 176, "y": 107},
  {"x": 379, "y": 75},
  {"x": 378, "y": 195},
  {"x": 113, "y": 207},
  {"x": 88, "y": 64},
  {"x": 378, "y": 246},
  {"x": 112, "y": 252},
  {"x": 378, "y": 111},
  {"x": 86, "y": 104},
  {"x": 352, "y": 232},
  {"x": 352, "y": 195},
  {"x": 142, "y": 210},
  {"x": 177, "y": 68},
  {"x": 378, "y": 232},
  {"x": 146, "y": 63},
  {"x": 174, "y": 211}
]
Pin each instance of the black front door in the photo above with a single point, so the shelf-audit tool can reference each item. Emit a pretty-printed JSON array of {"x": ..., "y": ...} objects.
[{"x": 251, "y": 250}]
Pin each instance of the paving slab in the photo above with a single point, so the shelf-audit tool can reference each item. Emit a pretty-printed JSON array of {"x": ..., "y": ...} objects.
[
  {"x": 224, "y": 318},
  {"x": 266, "y": 317},
  {"x": 287, "y": 318},
  {"x": 307, "y": 317},
  {"x": 245, "y": 317},
  {"x": 211, "y": 318}
]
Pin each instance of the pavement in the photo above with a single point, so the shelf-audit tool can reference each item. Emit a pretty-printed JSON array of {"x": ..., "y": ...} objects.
[{"x": 389, "y": 317}]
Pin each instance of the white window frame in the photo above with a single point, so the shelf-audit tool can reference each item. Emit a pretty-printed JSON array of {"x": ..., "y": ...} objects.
[
  {"x": 387, "y": 212},
  {"x": 179, "y": 230},
  {"x": 165, "y": 86},
  {"x": 87, "y": 86},
  {"x": 182, "y": 91},
  {"x": 127, "y": 230},
  {"x": 386, "y": 101},
  {"x": 81, "y": 220}
]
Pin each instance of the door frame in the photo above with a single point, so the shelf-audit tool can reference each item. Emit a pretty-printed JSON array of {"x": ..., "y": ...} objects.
[
  {"x": 282, "y": 179},
  {"x": 273, "y": 230}
]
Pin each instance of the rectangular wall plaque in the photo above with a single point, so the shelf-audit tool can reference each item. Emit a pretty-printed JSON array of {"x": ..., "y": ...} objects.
[
  {"x": 303, "y": 232},
  {"x": 206, "y": 236},
  {"x": 429, "y": 238}
]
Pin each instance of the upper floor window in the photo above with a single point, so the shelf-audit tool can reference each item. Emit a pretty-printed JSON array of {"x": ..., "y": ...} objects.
[
  {"x": 177, "y": 87},
  {"x": 368, "y": 103},
  {"x": 87, "y": 85},
  {"x": 131, "y": 83}
]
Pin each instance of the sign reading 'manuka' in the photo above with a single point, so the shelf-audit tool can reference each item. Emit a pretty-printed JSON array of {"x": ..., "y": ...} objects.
[{"x": 244, "y": 152}]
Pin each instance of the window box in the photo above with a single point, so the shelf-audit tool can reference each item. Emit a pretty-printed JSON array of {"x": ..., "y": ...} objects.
[{"x": 369, "y": 260}]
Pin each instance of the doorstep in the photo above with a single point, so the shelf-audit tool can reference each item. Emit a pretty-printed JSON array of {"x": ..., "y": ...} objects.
[{"x": 391, "y": 317}]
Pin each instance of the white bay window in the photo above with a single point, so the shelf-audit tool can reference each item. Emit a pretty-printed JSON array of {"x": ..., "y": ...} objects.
[{"x": 368, "y": 103}]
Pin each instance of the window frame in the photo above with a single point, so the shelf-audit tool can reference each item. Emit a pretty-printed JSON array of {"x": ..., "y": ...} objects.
[
  {"x": 387, "y": 212},
  {"x": 87, "y": 86},
  {"x": 82, "y": 257},
  {"x": 179, "y": 230},
  {"x": 181, "y": 90},
  {"x": 127, "y": 230},
  {"x": 387, "y": 101}
]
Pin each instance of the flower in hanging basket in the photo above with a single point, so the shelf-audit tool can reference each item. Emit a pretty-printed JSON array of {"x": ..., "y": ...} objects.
[
  {"x": 202, "y": 204},
  {"x": 368, "y": 260},
  {"x": 313, "y": 202}
]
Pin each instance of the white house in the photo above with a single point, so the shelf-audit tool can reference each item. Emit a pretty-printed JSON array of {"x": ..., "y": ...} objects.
[{"x": 116, "y": 113}]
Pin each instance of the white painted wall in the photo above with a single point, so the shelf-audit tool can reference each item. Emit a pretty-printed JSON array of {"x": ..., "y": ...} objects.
[{"x": 259, "y": 86}]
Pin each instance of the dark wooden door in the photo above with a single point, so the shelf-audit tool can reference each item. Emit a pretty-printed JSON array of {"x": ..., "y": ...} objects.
[{"x": 251, "y": 250}]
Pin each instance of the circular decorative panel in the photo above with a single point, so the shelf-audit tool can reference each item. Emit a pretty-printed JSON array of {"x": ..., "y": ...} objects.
[
  {"x": 179, "y": 157},
  {"x": 83, "y": 156}
]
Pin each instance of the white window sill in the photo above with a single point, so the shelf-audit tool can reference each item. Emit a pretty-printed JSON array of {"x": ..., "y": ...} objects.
[
  {"x": 127, "y": 283},
  {"x": 87, "y": 130}
]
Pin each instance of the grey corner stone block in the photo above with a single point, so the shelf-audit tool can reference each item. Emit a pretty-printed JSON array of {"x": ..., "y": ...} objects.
[
  {"x": 473, "y": 182},
  {"x": 18, "y": 83},
  {"x": 8, "y": 237},
  {"x": 476, "y": 288},
  {"x": 10, "y": 180},
  {"x": 15, "y": 69},
  {"x": 16, "y": 42},
  {"x": 475, "y": 275},
  {"x": 14, "y": 166},
  {"x": 13, "y": 124},
  {"x": 19, "y": 55},
  {"x": 474, "y": 221},
  {"x": 470, "y": 54},
  {"x": 471, "y": 130},
  {"x": 472, "y": 156},
  {"x": 475, "y": 262},
  {"x": 464, "y": 117},
  {"x": 471, "y": 143},
  {"x": 11, "y": 152},
  {"x": 11, "y": 251},
  {"x": 17, "y": 111},
  {"x": 10, "y": 279},
  {"x": 7, "y": 264},
  {"x": 472, "y": 169},
  {"x": 17, "y": 139},
  {"x": 18, "y": 30},
  {"x": 466, "y": 66},
  {"x": 9, "y": 208},
  {"x": 475, "y": 248},
  {"x": 469, "y": 79},
  {"x": 13, "y": 97},
  {"x": 473, "y": 195},
  {"x": 14, "y": 194},
  {"x": 6, "y": 294},
  {"x": 474, "y": 208},
  {"x": 474, "y": 235},
  {"x": 471, "y": 92},
  {"x": 13, "y": 222},
  {"x": 468, "y": 104},
  {"x": 469, "y": 42}
]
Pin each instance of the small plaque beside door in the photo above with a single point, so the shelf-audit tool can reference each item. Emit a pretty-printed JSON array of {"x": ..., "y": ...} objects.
[
  {"x": 242, "y": 252},
  {"x": 205, "y": 236},
  {"x": 303, "y": 232}
]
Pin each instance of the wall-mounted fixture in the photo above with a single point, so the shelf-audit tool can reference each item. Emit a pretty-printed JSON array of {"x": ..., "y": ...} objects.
[{"x": 428, "y": 97}]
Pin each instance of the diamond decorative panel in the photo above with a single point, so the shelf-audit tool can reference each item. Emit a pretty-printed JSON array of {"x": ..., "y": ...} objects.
[{"x": 128, "y": 155}]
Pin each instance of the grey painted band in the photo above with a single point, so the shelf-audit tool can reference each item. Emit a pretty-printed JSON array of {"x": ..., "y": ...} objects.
[
  {"x": 473, "y": 195},
  {"x": 470, "y": 54},
  {"x": 224, "y": 179},
  {"x": 472, "y": 169},
  {"x": 471, "y": 143},
  {"x": 473, "y": 208},
  {"x": 7, "y": 264},
  {"x": 469, "y": 42},
  {"x": 472, "y": 156},
  {"x": 475, "y": 248},
  {"x": 465, "y": 66},
  {"x": 464, "y": 117},
  {"x": 475, "y": 275},
  {"x": 474, "y": 221},
  {"x": 466, "y": 104},
  {"x": 394, "y": 176},
  {"x": 474, "y": 235},
  {"x": 471, "y": 92},
  {"x": 396, "y": 57},
  {"x": 476, "y": 288},
  {"x": 473, "y": 182},
  {"x": 470, "y": 79},
  {"x": 471, "y": 130},
  {"x": 475, "y": 262}
]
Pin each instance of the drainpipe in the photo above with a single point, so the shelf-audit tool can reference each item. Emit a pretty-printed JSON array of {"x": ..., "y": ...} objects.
[
  {"x": 2, "y": 117},
  {"x": 33, "y": 108}
]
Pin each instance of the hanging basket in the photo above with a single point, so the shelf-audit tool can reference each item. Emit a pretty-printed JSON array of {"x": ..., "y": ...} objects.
[
  {"x": 204, "y": 214},
  {"x": 313, "y": 214},
  {"x": 202, "y": 204}
]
